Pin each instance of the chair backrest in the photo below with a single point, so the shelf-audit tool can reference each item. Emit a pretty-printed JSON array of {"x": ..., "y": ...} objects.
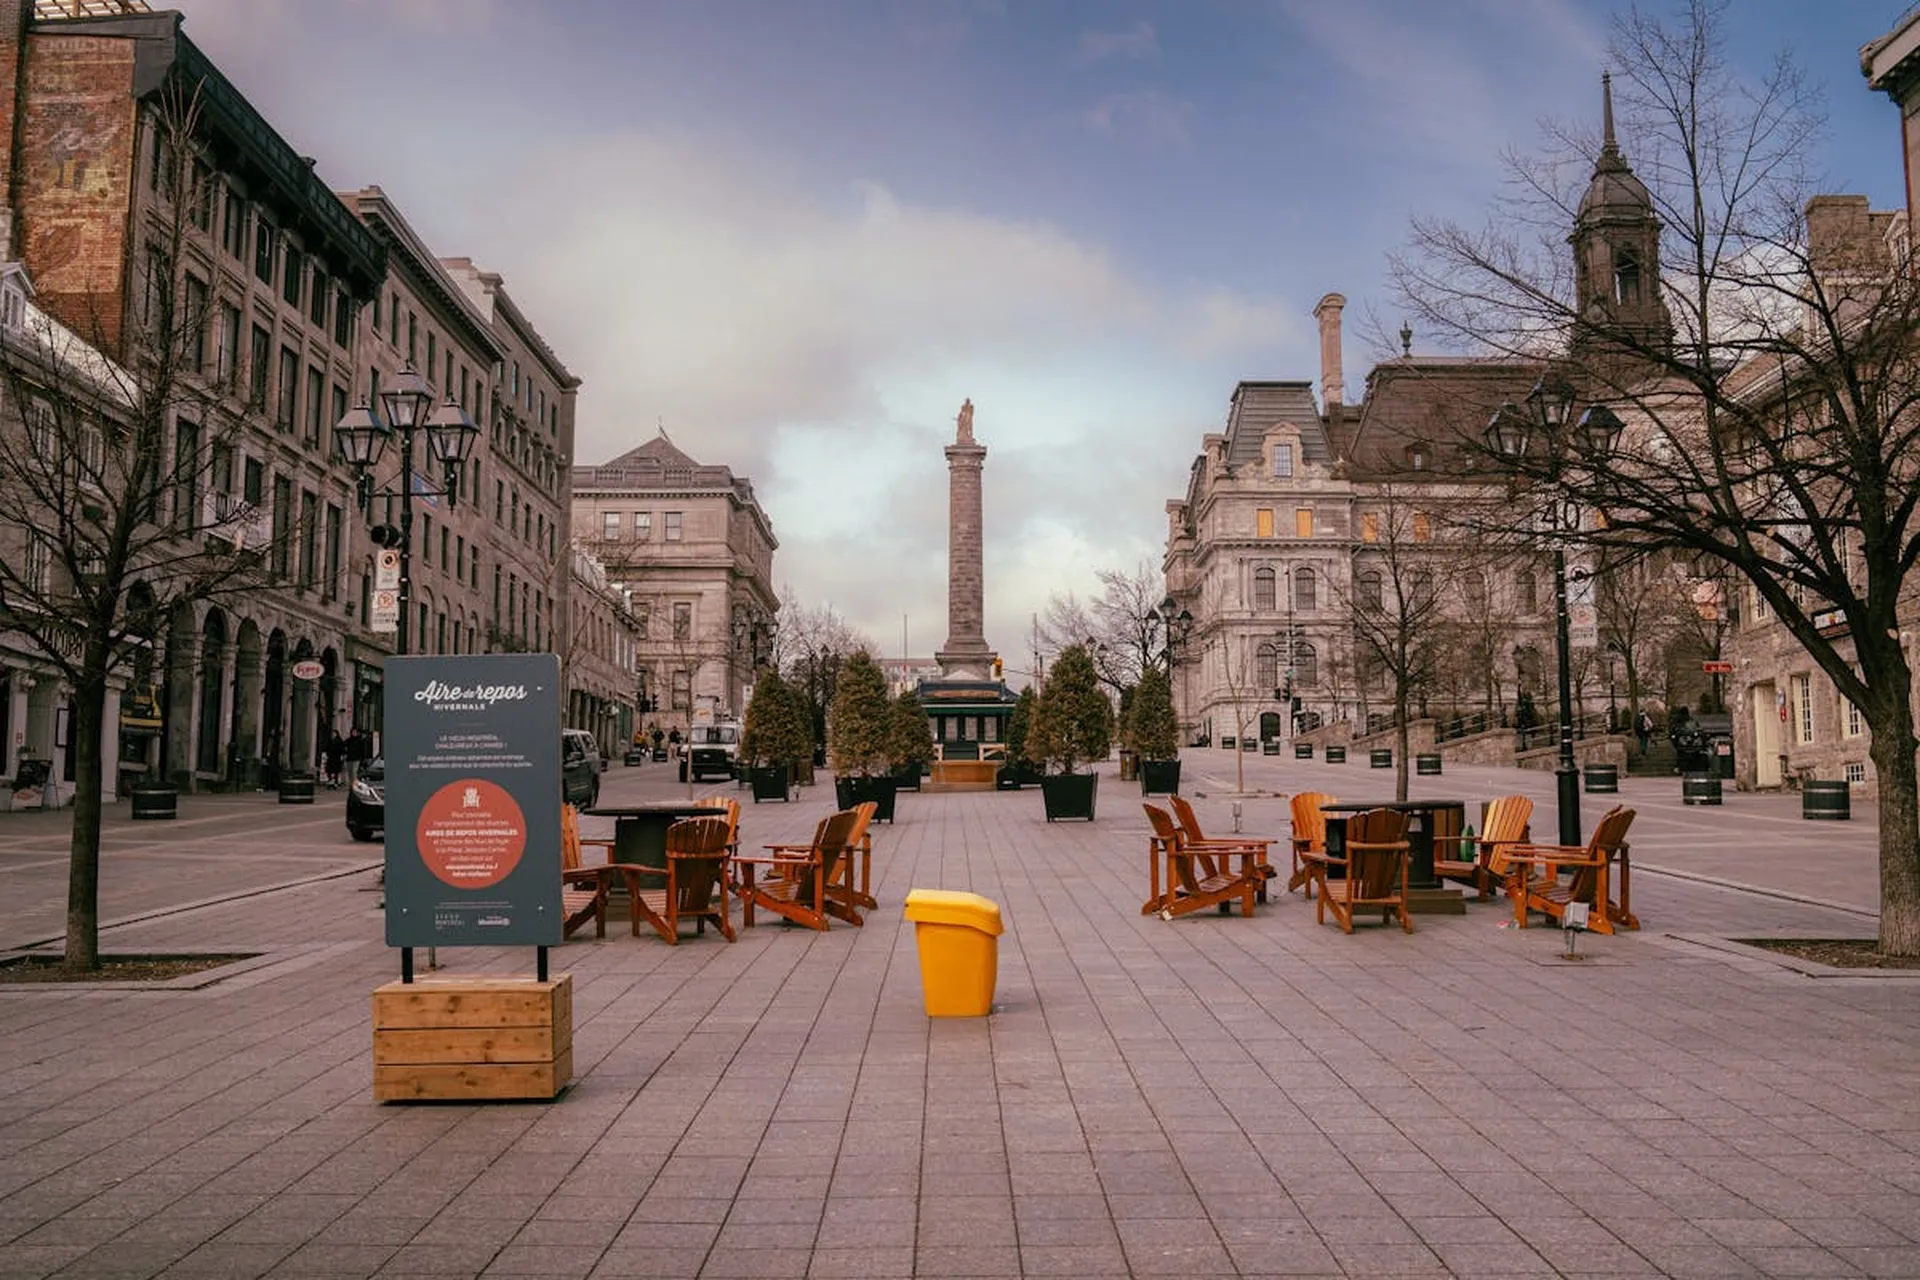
[
  {"x": 730, "y": 807},
  {"x": 831, "y": 841},
  {"x": 696, "y": 854},
  {"x": 1376, "y": 845},
  {"x": 569, "y": 838},
  {"x": 1309, "y": 823},
  {"x": 1507, "y": 819},
  {"x": 1608, "y": 839},
  {"x": 1189, "y": 820},
  {"x": 1174, "y": 842},
  {"x": 863, "y": 813}
]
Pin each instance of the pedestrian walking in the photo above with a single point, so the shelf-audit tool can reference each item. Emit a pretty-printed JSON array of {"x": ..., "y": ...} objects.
[
  {"x": 1643, "y": 730},
  {"x": 335, "y": 757}
]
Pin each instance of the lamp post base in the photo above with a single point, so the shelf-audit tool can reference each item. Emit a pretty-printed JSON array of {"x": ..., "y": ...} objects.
[{"x": 1567, "y": 783}]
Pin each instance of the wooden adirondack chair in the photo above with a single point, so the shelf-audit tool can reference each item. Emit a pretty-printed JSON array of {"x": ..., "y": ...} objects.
[
  {"x": 1507, "y": 824},
  {"x": 859, "y": 895},
  {"x": 807, "y": 883},
  {"x": 1534, "y": 876},
  {"x": 729, "y": 808},
  {"x": 1373, "y": 870},
  {"x": 1193, "y": 881},
  {"x": 1309, "y": 835},
  {"x": 695, "y": 881},
  {"x": 583, "y": 889},
  {"x": 1251, "y": 849}
]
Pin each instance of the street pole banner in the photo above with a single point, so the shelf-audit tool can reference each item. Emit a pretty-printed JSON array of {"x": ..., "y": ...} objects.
[{"x": 473, "y": 800}]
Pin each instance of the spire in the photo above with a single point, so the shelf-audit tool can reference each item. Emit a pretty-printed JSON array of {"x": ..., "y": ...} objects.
[{"x": 1608, "y": 146}]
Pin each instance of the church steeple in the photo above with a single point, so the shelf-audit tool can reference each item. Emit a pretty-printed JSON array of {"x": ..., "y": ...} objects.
[{"x": 1616, "y": 247}]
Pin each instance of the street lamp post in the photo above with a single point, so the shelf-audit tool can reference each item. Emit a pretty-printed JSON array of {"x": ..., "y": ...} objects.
[
  {"x": 1168, "y": 627},
  {"x": 1510, "y": 435},
  {"x": 359, "y": 439}
]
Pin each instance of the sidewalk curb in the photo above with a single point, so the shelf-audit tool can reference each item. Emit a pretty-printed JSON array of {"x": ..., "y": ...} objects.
[{"x": 1719, "y": 882}]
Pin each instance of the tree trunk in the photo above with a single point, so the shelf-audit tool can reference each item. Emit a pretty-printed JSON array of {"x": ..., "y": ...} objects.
[
  {"x": 1400, "y": 756},
  {"x": 83, "y": 866},
  {"x": 1893, "y": 760}
]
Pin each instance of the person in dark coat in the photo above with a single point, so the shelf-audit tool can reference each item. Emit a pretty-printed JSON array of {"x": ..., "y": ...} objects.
[
  {"x": 1643, "y": 730},
  {"x": 334, "y": 756}
]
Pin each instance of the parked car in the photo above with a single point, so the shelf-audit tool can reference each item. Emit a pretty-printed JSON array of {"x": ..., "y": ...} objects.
[
  {"x": 579, "y": 768},
  {"x": 367, "y": 800}
]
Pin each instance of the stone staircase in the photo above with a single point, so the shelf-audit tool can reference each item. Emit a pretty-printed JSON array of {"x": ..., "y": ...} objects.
[{"x": 1658, "y": 762}]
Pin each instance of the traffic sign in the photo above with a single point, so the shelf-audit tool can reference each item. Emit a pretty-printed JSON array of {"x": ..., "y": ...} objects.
[
  {"x": 386, "y": 611},
  {"x": 386, "y": 569}
]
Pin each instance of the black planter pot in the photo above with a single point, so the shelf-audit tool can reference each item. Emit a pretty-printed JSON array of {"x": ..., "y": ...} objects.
[
  {"x": 1009, "y": 778},
  {"x": 907, "y": 777},
  {"x": 1159, "y": 777},
  {"x": 296, "y": 788},
  {"x": 769, "y": 782},
  {"x": 1303, "y": 751},
  {"x": 848, "y": 792},
  {"x": 155, "y": 801},
  {"x": 1069, "y": 795},
  {"x": 1336, "y": 755}
]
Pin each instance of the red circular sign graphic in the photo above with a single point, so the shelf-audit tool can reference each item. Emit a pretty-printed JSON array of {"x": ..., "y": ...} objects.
[{"x": 471, "y": 834}]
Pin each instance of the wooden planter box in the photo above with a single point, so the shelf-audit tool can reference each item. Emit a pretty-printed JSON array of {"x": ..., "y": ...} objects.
[{"x": 473, "y": 1039}]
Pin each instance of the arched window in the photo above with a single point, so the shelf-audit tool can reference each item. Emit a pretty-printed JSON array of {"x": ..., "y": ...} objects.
[
  {"x": 1369, "y": 583},
  {"x": 1263, "y": 589},
  {"x": 1306, "y": 590},
  {"x": 1475, "y": 588},
  {"x": 1306, "y": 665},
  {"x": 1526, "y": 592},
  {"x": 1422, "y": 589},
  {"x": 1626, "y": 277},
  {"x": 1526, "y": 668},
  {"x": 1266, "y": 667}
]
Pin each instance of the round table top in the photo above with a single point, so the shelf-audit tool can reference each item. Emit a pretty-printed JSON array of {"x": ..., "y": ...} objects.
[{"x": 1399, "y": 806}]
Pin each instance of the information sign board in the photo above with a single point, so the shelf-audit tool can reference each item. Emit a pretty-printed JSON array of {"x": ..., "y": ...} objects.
[
  {"x": 473, "y": 800},
  {"x": 385, "y": 614}
]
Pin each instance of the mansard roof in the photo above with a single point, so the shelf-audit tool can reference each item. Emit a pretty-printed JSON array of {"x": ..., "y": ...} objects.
[
  {"x": 1259, "y": 406},
  {"x": 1433, "y": 406}
]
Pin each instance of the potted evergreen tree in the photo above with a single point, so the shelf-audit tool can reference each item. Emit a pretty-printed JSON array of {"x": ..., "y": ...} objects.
[
  {"x": 859, "y": 730},
  {"x": 1156, "y": 733},
  {"x": 909, "y": 741},
  {"x": 776, "y": 738},
  {"x": 1017, "y": 769},
  {"x": 1073, "y": 726}
]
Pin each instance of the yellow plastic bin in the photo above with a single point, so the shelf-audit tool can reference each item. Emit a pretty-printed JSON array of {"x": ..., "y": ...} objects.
[{"x": 959, "y": 939}]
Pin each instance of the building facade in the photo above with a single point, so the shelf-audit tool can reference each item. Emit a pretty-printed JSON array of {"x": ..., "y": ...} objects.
[
  {"x": 599, "y": 648},
  {"x": 294, "y": 303},
  {"x": 690, "y": 545}
]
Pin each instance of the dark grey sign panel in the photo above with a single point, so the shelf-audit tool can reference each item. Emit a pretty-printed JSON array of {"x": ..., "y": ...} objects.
[{"x": 473, "y": 800}]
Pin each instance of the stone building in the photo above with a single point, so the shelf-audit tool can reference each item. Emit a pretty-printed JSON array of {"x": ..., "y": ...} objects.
[
  {"x": 295, "y": 315},
  {"x": 599, "y": 648},
  {"x": 279, "y": 270},
  {"x": 690, "y": 545},
  {"x": 1301, "y": 517}
]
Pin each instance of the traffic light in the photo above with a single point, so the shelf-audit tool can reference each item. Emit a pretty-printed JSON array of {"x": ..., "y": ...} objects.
[{"x": 385, "y": 535}]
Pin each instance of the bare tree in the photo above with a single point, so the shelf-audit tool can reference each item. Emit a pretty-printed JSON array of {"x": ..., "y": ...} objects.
[
  {"x": 1395, "y": 602},
  {"x": 1770, "y": 428},
  {"x": 1121, "y": 627},
  {"x": 812, "y": 645},
  {"x": 116, "y": 489}
]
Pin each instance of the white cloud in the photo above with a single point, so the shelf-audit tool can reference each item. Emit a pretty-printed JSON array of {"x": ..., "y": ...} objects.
[
  {"x": 1148, "y": 117},
  {"x": 1137, "y": 41}
]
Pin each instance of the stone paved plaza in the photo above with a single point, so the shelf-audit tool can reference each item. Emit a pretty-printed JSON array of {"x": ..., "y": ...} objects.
[{"x": 1208, "y": 1097}]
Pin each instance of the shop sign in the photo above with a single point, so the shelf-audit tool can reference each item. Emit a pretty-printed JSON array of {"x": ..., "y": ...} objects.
[{"x": 308, "y": 669}]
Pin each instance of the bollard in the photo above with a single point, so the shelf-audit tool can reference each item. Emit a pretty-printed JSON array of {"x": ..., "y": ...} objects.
[{"x": 1236, "y": 817}]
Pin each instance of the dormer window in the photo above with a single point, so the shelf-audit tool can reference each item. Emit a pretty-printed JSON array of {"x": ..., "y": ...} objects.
[
  {"x": 1283, "y": 462},
  {"x": 1418, "y": 457},
  {"x": 13, "y": 308}
]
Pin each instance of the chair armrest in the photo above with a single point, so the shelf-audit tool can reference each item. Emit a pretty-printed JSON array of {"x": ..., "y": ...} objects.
[
  {"x": 1555, "y": 855},
  {"x": 596, "y": 875},
  {"x": 774, "y": 861}
]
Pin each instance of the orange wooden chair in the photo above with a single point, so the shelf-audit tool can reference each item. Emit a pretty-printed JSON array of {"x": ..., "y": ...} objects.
[
  {"x": 583, "y": 889},
  {"x": 1309, "y": 831},
  {"x": 1193, "y": 881},
  {"x": 696, "y": 881},
  {"x": 807, "y": 883},
  {"x": 1372, "y": 863},
  {"x": 1532, "y": 874},
  {"x": 1507, "y": 823},
  {"x": 1253, "y": 848}
]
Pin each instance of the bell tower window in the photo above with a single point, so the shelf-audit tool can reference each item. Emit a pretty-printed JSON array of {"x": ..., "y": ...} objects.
[{"x": 1626, "y": 278}]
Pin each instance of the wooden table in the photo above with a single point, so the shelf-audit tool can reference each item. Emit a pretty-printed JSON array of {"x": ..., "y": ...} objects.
[
  {"x": 1429, "y": 822},
  {"x": 640, "y": 830}
]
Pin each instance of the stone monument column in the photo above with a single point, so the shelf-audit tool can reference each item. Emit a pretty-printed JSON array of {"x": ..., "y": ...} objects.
[{"x": 966, "y": 653}]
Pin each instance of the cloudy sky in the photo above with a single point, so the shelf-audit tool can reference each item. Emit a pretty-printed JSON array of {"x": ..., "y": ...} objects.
[{"x": 799, "y": 232}]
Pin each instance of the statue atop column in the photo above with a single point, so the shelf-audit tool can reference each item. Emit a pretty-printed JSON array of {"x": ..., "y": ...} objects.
[{"x": 965, "y": 422}]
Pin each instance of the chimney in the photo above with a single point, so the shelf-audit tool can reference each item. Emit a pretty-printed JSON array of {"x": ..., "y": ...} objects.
[
  {"x": 1841, "y": 237},
  {"x": 1327, "y": 312}
]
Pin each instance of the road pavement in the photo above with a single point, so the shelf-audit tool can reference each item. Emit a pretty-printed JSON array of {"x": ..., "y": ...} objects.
[{"x": 1210, "y": 1096}]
